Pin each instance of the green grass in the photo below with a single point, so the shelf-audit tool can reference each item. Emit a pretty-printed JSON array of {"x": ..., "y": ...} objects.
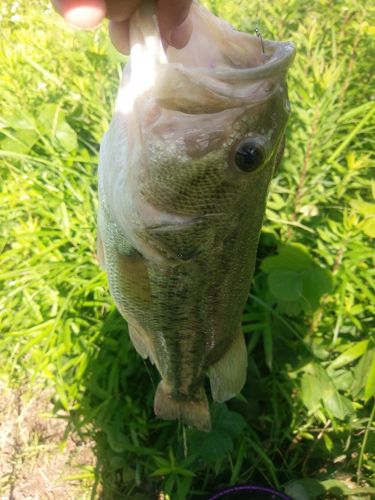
[{"x": 304, "y": 421}]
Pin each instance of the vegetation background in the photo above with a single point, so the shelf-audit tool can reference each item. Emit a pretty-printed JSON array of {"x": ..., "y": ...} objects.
[{"x": 304, "y": 423}]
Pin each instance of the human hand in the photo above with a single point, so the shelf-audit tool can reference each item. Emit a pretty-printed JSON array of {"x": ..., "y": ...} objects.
[{"x": 173, "y": 18}]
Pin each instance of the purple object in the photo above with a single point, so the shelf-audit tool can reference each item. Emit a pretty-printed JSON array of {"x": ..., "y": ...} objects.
[{"x": 251, "y": 493}]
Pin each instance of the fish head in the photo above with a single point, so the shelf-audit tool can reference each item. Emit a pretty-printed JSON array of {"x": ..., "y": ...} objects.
[
  {"x": 212, "y": 163},
  {"x": 208, "y": 162},
  {"x": 203, "y": 140}
]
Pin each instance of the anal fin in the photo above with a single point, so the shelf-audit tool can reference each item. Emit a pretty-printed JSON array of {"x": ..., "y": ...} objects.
[
  {"x": 140, "y": 341},
  {"x": 193, "y": 412},
  {"x": 228, "y": 375}
]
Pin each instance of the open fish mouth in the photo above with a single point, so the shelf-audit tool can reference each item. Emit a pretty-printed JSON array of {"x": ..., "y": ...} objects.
[
  {"x": 276, "y": 58},
  {"x": 237, "y": 71}
]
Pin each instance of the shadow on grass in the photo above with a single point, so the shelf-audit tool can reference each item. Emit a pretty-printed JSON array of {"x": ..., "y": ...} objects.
[{"x": 115, "y": 410}]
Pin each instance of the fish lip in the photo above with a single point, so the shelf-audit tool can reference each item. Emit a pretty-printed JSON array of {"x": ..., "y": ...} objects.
[
  {"x": 224, "y": 87},
  {"x": 164, "y": 226},
  {"x": 279, "y": 55}
]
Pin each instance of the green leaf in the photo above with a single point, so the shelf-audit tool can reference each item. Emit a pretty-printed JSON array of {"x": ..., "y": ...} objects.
[
  {"x": 368, "y": 227},
  {"x": 117, "y": 440},
  {"x": 339, "y": 488},
  {"x": 292, "y": 308},
  {"x": 316, "y": 283},
  {"x": 317, "y": 387},
  {"x": 183, "y": 472},
  {"x": 49, "y": 116},
  {"x": 213, "y": 446},
  {"x": 183, "y": 487},
  {"x": 338, "y": 405},
  {"x": 163, "y": 471},
  {"x": 226, "y": 425},
  {"x": 292, "y": 257},
  {"x": 227, "y": 420},
  {"x": 53, "y": 124},
  {"x": 370, "y": 384},
  {"x": 20, "y": 141},
  {"x": 361, "y": 374},
  {"x": 324, "y": 384},
  {"x": 328, "y": 442},
  {"x": 311, "y": 393},
  {"x": 363, "y": 207},
  {"x": 304, "y": 489},
  {"x": 296, "y": 280},
  {"x": 348, "y": 356},
  {"x": 66, "y": 136},
  {"x": 285, "y": 285},
  {"x": 21, "y": 121},
  {"x": 343, "y": 379}
]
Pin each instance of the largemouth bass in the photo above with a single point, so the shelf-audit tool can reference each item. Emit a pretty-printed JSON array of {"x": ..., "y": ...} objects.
[{"x": 183, "y": 178}]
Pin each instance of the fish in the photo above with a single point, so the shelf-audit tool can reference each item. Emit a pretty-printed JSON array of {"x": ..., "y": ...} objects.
[{"x": 184, "y": 172}]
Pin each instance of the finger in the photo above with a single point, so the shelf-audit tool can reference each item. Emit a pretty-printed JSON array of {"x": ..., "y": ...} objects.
[
  {"x": 119, "y": 34},
  {"x": 120, "y": 10},
  {"x": 181, "y": 35},
  {"x": 174, "y": 22},
  {"x": 81, "y": 13}
]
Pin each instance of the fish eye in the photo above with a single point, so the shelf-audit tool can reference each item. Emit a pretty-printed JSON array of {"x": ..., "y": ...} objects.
[{"x": 249, "y": 155}]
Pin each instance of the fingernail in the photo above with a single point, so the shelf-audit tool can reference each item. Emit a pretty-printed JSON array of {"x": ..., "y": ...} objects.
[{"x": 86, "y": 15}]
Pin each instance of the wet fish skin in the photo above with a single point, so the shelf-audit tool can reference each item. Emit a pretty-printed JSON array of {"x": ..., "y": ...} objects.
[{"x": 179, "y": 225}]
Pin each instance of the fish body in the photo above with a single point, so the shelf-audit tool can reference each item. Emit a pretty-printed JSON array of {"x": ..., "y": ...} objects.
[{"x": 183, "y": 178}]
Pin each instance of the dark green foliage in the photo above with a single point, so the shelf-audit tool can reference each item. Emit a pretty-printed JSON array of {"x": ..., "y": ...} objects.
[
  {"x": 214, "y": 446},
  {"x": 295, "y": 281}
]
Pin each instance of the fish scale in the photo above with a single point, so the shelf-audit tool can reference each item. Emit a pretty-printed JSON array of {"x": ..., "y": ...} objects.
[{"x": 182, "y": 197}]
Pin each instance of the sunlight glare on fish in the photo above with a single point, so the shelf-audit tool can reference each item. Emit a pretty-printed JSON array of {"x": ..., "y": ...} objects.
[
  {"x": 146, "y": 55},
  {"x": 142, "y": 79}
]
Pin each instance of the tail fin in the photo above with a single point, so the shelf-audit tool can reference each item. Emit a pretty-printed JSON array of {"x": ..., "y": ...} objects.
[{"x": 192, "y": 412}]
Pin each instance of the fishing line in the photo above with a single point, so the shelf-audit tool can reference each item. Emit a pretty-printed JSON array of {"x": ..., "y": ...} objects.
[
  {"x": 149, "y": 374},
  {"x": 181, "y": 429},
  {"x": 184, "y": 440},
  {"x": 257, "y": 29}
]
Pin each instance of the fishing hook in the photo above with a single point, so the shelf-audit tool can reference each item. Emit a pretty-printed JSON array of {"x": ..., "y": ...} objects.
[{"x": 257, "y": 31}]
